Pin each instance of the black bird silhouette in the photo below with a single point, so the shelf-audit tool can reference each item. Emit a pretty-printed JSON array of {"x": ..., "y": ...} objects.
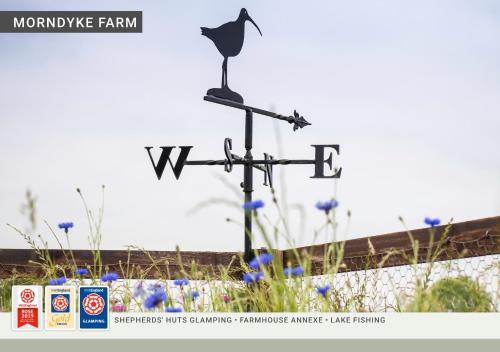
[{"x": 228, "y": 39}]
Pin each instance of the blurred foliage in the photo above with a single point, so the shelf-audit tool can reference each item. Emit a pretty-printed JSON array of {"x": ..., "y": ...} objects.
[{"x": 458, "y": 294}]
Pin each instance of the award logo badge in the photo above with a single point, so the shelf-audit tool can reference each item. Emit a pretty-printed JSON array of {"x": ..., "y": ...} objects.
[
  {"x": 27, "y": 307},
  {"x": 60, "y": 308},
  {"x": 94, "y": 307}
]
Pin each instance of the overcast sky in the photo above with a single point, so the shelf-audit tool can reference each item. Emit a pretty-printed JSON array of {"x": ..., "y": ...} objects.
[{"x": 410, "y": 90}]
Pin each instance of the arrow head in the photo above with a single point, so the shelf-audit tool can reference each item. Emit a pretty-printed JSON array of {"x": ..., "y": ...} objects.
[{"x": 298, "y": 121}]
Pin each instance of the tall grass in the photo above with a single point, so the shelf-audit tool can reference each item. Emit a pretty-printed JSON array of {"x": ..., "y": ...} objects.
[{"x": 306, "y": 283}]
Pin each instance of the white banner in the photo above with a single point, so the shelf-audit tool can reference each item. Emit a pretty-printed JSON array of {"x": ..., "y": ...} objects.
[{"x": 281, "y": 325}]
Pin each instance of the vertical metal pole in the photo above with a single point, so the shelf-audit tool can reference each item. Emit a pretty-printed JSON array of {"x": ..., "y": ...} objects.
[{"x": 248, "y": 183}]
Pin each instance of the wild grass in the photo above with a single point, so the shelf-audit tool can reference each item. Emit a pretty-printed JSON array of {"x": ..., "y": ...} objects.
[{"x": 304, "y": 284}]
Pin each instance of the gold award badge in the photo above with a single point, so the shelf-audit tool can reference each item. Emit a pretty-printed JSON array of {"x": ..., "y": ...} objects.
[{"x": 60, "y": 308}]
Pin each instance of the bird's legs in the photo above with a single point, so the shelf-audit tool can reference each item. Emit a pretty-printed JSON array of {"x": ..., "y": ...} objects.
[
  {"x": 224, "y": 92},
  {"x": 224, "y": 73}
]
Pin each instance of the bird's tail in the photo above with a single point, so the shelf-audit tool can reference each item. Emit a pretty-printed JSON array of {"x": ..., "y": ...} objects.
[{"x": 204, "y": 31}]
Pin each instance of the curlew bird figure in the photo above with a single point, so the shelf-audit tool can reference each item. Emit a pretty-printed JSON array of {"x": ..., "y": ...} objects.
[{"x": 228, "y": 38}]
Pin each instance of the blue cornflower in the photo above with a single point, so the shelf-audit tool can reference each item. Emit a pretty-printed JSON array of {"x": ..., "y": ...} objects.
[
  {"x": 173, "y": 310},
  {"x": 181, "y": 282},
  {"x": 297, "y": 271},
  {"x": 327, "y": 206},
  {"x": 110, "y": 277},
  {"x": 252, "y": 277},
  {"x": 256, "y": 204},
  {"x": 65, "y": 226},
  {"x": 81, "y": 271},
  {"x": 264, "y": 259},
  {"x": 195, "y": 295},
  {"x": 432, "y": 222},
  {"x": 139, "y": 290},
  {"x": 323, "y": 290},
  {"x": 155, "y": 299},
  {"x": 157, "y": 286},
  {"x": 58, "y": 281}
]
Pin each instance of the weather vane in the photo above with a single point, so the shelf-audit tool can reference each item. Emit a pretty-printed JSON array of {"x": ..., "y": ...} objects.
[{"x": 228, "y": 39}]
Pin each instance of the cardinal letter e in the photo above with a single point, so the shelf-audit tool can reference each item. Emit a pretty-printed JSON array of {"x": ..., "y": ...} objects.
[
  {"x": 320, "y": 161},
  {"x": 165, "y": 156}
]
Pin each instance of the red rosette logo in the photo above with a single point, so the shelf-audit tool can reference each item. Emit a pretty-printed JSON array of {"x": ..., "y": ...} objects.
[
  {"x": 93, "y": 304},
  {"x": 60, "y": 303},
  {"x": 27, "y": 295}
]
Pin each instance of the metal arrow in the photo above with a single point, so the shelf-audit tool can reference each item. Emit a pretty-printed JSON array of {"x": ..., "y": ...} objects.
[{"x": 295, "y": 119}]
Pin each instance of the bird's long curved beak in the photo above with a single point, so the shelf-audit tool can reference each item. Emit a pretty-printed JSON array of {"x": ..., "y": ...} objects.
[{"x": 255, "y": 24}]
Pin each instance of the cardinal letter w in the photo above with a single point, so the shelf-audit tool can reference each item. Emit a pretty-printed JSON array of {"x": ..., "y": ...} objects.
[{"x": 165, "y": 156}]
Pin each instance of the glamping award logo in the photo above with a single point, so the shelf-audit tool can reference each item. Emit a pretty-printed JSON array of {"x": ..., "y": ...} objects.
[{"x": 94, "y": 307}]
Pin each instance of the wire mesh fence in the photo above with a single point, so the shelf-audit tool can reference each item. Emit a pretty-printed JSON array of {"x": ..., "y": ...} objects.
[{"x": 392, "y": 288}]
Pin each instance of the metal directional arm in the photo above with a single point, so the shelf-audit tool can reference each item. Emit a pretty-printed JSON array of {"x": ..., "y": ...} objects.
[
  {"x": 254, "y": 163},
  {"x": 297, "y": 120}
]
